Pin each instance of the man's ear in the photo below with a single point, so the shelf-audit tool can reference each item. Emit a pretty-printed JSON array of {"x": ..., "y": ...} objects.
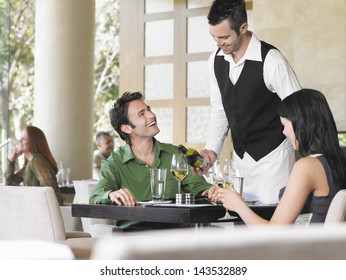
[
  {"x": 243, "y": 28},
  {"x": 126, "y": 128}
]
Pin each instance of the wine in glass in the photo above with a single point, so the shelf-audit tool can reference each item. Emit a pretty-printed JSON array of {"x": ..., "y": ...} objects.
[{"x": 179, "y": 168}]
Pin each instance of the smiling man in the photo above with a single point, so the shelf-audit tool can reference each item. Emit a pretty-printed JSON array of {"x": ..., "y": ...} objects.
[{"x": 124, "y": 177}]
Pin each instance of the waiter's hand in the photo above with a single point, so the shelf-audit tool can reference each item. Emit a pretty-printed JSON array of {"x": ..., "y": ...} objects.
[
  {"x": 209, "y": 157},
  {"x": 122, "y": 197}
]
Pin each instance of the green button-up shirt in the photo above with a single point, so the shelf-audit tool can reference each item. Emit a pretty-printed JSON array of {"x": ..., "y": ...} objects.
[{"x": 123, "y": 170}]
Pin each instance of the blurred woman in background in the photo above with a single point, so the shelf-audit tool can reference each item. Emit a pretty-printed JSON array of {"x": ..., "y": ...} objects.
[{"x": 39, "y": 167}]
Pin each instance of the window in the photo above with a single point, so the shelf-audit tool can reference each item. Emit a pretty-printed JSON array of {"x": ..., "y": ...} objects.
[{"x": 166, "y": 58}]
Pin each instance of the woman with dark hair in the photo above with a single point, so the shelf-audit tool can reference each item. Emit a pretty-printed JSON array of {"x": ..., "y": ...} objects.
[
  {"x": 39, "y": 167},
  {"x": 316, "y": 178}
]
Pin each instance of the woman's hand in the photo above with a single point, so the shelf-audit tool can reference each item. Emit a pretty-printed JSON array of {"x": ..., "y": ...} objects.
[
  {"x": 212, "y": 193},
  {"x": 230, "y": 198},
  {"x": 17, "y": 151},
  {"x": 122, "y": 197}
]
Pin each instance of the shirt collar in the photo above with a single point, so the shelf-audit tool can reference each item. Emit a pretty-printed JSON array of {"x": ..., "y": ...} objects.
[
  {"x": 128, "y": 154},
  {"x": 253, "y": 51}
]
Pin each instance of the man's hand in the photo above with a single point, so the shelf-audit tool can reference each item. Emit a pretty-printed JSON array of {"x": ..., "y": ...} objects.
[
  {"x": 122, "y": 197},
  {"x": 209, "y": 157}
]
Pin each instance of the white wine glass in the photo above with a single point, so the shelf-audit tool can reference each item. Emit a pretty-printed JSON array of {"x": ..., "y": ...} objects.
[
  {"x": 179, "y": 168},
  {"x": 217, "y": 175}
]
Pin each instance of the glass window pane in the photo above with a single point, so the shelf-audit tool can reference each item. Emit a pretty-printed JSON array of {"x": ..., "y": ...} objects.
[
  {"x": 158, "y": 6},
  {"x": 192, "y": 4},
  {"x": 164, "y": 118},
  {"x": 197, "y": 123},
  {"x": 159, "y": 38},
  {"x": 198, "y": 37},
  {"x": 158, "y": 82},
  {"x": 197, "y": 79}
]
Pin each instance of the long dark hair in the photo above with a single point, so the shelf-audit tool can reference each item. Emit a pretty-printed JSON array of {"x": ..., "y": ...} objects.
[{"x": 315, "y": 129}]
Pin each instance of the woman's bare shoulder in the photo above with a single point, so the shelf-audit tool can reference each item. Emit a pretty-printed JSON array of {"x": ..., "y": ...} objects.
[{"x": 309, "y": 166}]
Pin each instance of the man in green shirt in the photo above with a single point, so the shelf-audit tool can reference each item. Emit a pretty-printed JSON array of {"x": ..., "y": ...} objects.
[{"x": 124, "y": 176}]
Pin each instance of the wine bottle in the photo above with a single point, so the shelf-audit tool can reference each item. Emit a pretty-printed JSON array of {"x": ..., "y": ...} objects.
[{"x": 192, "y": 157}]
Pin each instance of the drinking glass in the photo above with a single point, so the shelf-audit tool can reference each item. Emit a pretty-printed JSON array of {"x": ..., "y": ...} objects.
[
  {"x": 228, "y": 173},
  {"x": 158, "y": 183},
  {"x": 67, "y": 176},
  {"x": 179, "y": 168},
  {"x": 217, "y": 175},
  {"x": 238, "y": 181}
]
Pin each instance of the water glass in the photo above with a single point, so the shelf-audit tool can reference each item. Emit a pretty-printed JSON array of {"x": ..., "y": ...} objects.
[
  {"x": 238, "y": 181},
  {"x": 67, "y": 176},
  {"x": 158, "y": 183}
]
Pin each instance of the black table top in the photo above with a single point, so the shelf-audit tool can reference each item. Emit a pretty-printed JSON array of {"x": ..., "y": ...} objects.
[
  {"x": 150, "y": 213},
  {"x": 265, "y": 211},
  {"x": 67, "y": 190},
  {"x": 205, "y": 213}
]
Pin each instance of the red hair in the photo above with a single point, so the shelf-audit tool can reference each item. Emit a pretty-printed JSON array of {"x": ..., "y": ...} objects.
[{"x": 38, "y": 144}]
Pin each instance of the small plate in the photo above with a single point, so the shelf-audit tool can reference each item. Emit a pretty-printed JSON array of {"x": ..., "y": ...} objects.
[{"x": 154, "y": 202}]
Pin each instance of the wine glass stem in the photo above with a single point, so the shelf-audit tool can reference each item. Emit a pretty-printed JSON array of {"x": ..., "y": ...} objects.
[{"x": 179, "y": 186}]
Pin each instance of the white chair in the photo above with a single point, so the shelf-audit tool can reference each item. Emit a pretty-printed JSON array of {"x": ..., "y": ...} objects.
[
  {"x": 337, "y": 209},
  {"x": 96, "y": 227},
  {"x": 244, "y": 243},
  {"x": 33, "y": 213},
  {"x": 70, "y": 223},
  {"x": 34, "y": 250}
]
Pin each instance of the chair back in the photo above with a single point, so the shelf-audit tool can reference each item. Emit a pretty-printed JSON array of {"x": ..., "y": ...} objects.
[
  {"x": 30, "y": 213},
  {"x": 337, "y": 209},
  {"x": 83, "y": 190}
]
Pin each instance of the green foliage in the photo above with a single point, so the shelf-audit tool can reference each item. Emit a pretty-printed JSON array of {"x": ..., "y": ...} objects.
[
  {"x": 20, "y": 67},
  {"x": 107, "y": 61},
  {"x": 4, "y": 61},
  {"x": 21, "y": 72}
]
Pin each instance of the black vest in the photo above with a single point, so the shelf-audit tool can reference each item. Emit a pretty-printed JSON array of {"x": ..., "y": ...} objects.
[{"x": 251, "y": 109}]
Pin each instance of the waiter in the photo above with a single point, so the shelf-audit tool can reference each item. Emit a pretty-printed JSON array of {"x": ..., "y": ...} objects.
[{"x": 248, "y": 79}]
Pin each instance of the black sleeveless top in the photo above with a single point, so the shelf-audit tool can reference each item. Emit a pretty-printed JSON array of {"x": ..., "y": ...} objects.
[{"x": 319, "y": 205}]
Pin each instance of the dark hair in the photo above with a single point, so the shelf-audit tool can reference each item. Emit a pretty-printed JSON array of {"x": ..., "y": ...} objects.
[
  {"x": 315, "y": 129},
  {"x": 38, "y": 144},
  {"x": 118, "y": 114},
  {"x": 100, "y": 134},
  {"x": 232, "y": 10}
]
